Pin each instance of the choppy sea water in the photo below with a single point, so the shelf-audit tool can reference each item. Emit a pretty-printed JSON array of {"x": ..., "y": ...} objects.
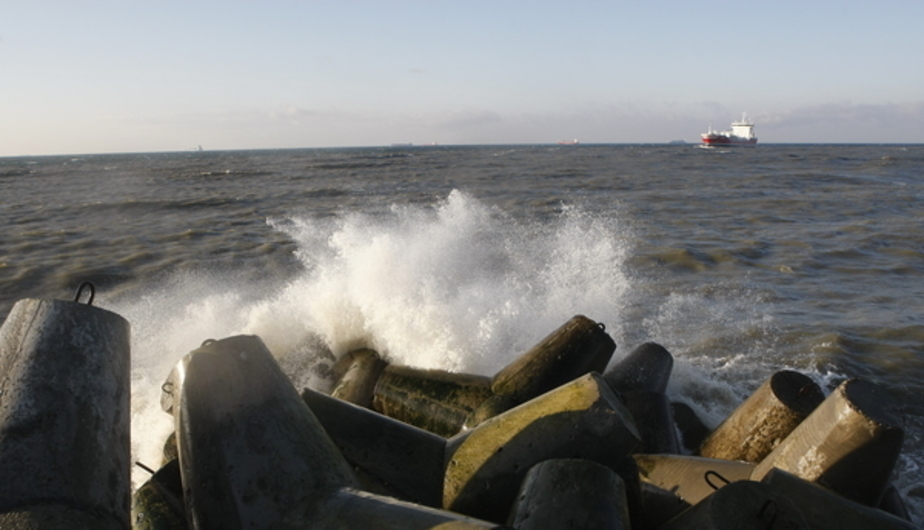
[{"x": 741, "y": 262}]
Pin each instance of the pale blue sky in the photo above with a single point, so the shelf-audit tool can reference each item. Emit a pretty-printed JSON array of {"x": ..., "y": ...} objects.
[{"x": 114, "y": 76}]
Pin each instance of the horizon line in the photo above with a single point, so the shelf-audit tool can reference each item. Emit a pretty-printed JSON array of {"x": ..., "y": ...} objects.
[{"x": 674, "y": 143}]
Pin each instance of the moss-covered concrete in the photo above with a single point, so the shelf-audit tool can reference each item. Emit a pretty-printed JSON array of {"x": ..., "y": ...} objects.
[
  {"x": 435, "y": 400},
  {"x": 578, "y": 347},
  {"x": 759, "y": 424},
  {"x": 581, "y": 419}
]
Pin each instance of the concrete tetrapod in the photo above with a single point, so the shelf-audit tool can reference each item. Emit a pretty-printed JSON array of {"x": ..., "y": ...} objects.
[
  {"x": 446, "y": 403},
  {"x": 494, "y": 405},
  {"x": 849, "y": 444},
  {"x": 647, "y": 367},
  {"x": 759, "y": 424},
  {"x": 741, "y": 505},
  {"x": 893, "y": 503},
  {"x": 405, "y": 460},
  {"x": 351, "y": 509},
  {"x": 656, "y": 507},
  {"x": 64, "y": 417},
  {"x": 571, "y": 493},
  {"x": 357, "y": 373},
  {"x": 691, "y": 478},
  {"x": 692, "y": 429},
  {"x": 250, "y": 449},
  {"x": 826, "y": 510},
  {"x": 254, "y": 456},
  {"x": 435, "y": 400},
  {"x": 578, "y": 347},
  {"x": 581, "y": 419},
  {"x": 654, "y": 420}
]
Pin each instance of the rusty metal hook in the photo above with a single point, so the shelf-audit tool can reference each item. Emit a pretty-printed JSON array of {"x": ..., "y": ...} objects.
[{"x": 146, "y": 468}]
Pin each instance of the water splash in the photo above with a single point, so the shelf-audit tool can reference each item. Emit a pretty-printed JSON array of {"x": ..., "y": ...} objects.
[{"x": 459, "y": 286}]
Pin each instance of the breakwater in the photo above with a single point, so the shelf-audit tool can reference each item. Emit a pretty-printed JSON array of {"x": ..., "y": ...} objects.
[{"x": 560, "y": 437}]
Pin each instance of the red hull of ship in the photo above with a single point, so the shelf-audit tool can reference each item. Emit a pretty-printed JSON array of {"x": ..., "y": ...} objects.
[{"x": 721, "y": 140}]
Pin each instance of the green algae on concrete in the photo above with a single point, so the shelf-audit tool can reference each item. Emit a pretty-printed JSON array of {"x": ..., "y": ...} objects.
[
  {"x": 578, "y": 347},
  {"x": 486, "y": 465},
  {"x": 494, "y": 405},
  {"x": 759, "y": 424},
  {"x": 435, "y": 400},
  {"x": 158, "y": 503},
  {"x": 55, "y": 517}
]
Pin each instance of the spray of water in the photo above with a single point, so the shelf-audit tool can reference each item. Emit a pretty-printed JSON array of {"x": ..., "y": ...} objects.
[{"x": 459, "y": 286}]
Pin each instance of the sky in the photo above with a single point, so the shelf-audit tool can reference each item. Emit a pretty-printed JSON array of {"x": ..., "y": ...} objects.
[{"x": 87, "y": 76}]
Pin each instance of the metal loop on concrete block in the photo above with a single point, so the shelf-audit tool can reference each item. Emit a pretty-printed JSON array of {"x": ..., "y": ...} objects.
[
  {"x": 146, "y": 468},
  {"x": 715, "y": 474},
  {"x": 88, "y": 285}
]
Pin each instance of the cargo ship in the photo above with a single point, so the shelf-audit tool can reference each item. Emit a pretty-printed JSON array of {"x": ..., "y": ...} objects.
[{"x": 741, "y": 133}]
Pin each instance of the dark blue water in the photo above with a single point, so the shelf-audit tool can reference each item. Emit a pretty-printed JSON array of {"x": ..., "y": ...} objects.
[{"x": 741, "y": 262}]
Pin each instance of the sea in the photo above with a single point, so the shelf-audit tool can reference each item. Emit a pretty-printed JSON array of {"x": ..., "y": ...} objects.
[{"x": 741, "y": 262}]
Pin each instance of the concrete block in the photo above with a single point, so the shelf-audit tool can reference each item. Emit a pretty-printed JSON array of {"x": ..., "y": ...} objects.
[
  {"x": 486, "y": 465},
  {"x": 434, "y": 400},
  {"x": 773, "y": 411},
  {"x": 64, "y": 415},
  {"x": 571, "y": 493},
  {"x": 849, "y": 444},
  {"x": 576, "y": 348}
]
